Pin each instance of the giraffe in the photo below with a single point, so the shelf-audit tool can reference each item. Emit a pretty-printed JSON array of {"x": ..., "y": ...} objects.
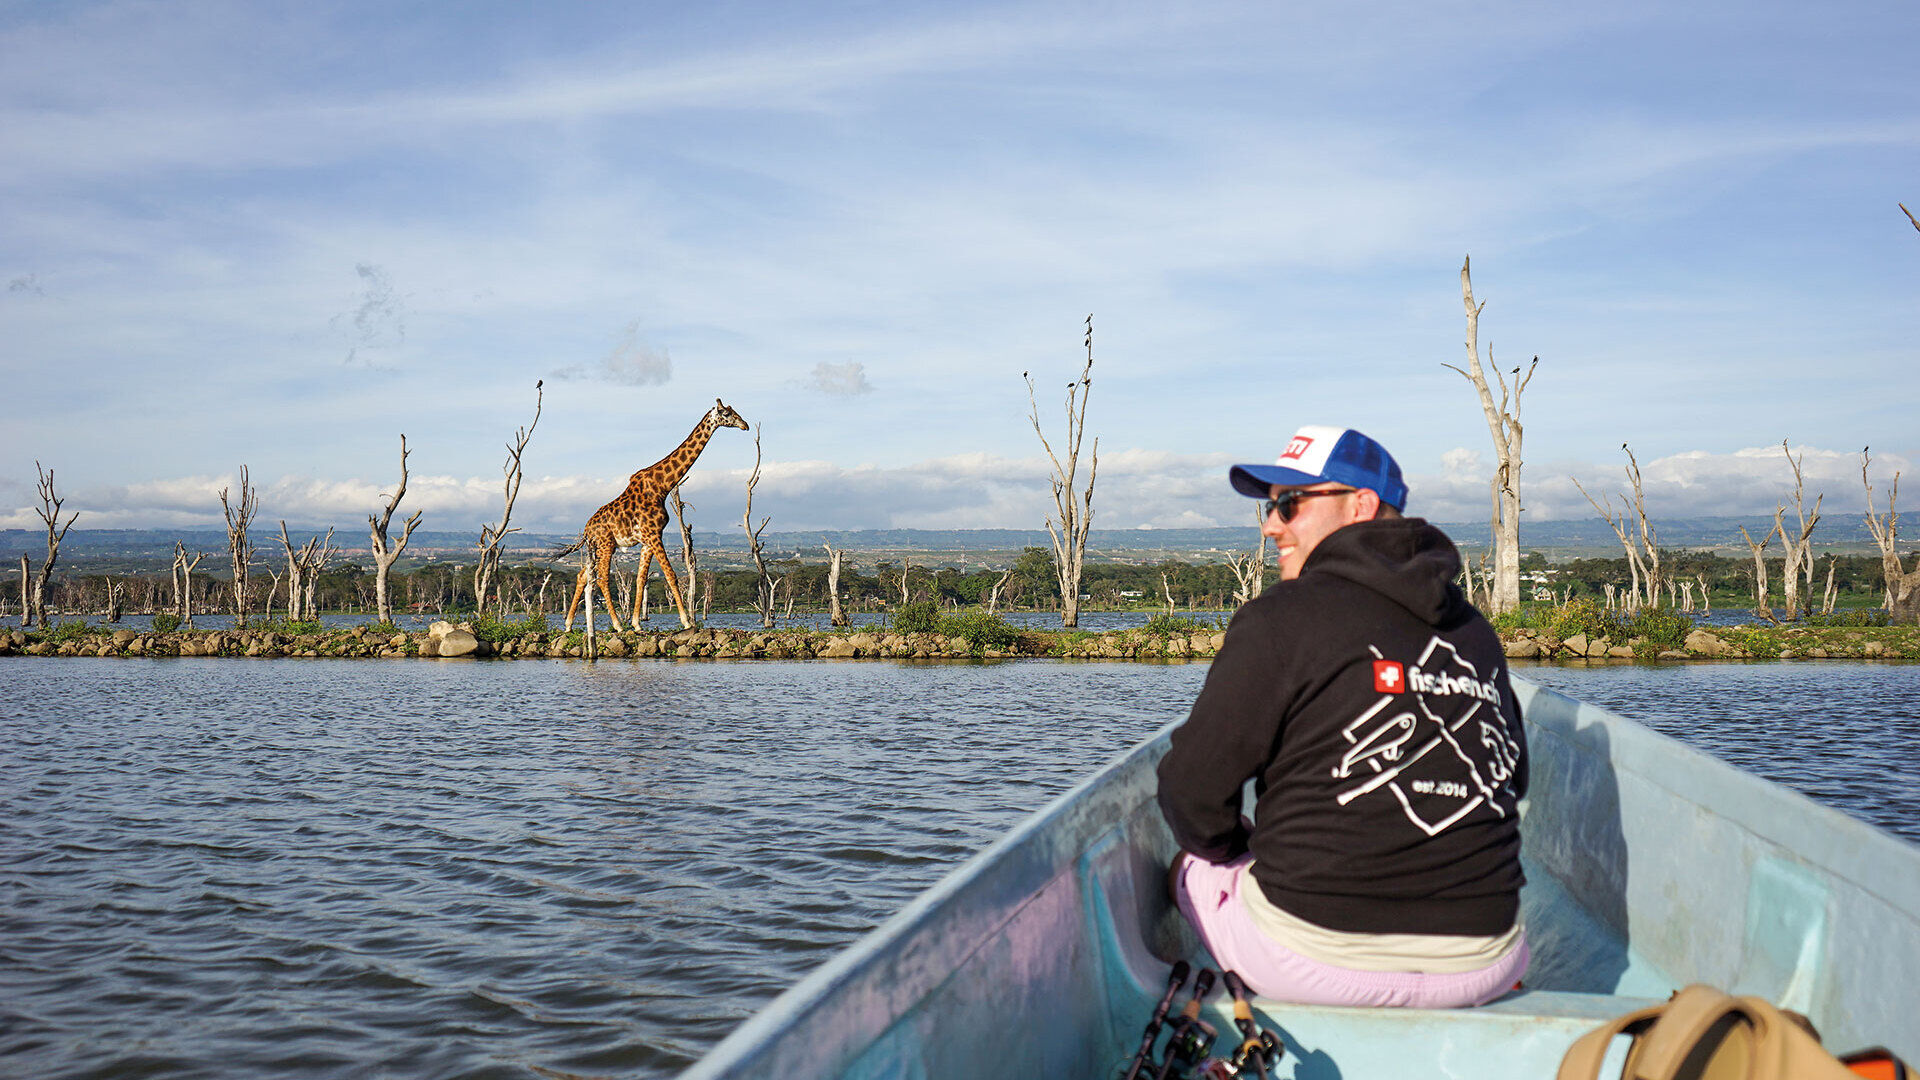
[{"x": 639, "y": 516}]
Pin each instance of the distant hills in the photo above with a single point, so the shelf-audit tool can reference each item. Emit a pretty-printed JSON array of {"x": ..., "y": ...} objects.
[{"x": 125, "y": 550}]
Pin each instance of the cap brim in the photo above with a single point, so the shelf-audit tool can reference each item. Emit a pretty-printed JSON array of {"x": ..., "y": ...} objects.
[{"x": 1257, "y": 481}]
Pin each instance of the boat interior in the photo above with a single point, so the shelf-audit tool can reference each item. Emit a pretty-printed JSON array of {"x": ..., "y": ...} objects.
[{"x": 1649, "y": 866}]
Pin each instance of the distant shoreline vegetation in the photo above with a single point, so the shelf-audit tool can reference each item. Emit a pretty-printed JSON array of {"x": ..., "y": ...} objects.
[
  {"x": 1544, "y": 633},
  {"x": 1557, "y": 540},
  {"x": 1144, "y": 585}
]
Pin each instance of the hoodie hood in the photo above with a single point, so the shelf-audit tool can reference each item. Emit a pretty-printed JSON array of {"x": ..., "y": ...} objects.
[{"x": 1405, "y": 560}]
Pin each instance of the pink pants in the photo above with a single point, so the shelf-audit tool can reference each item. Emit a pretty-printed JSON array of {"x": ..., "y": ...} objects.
[{"x": 1209, "y": 896}]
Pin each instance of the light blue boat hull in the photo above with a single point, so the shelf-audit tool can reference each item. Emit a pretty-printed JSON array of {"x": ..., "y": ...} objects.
[{"x": 1650, "y": 865}]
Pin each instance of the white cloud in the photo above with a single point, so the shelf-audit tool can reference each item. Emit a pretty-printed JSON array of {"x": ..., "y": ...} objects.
[
  {"x": 1134, "y": 489},
  {"x": 632, "y": 362},
  {"x": 840, "y": 380},
  {"x": 1691, "y": 484},
  {"x": 379, "y": 318}
]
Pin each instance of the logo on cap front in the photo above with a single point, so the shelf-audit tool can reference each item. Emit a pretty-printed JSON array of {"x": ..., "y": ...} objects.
[{"x": 1297, "y": 448}]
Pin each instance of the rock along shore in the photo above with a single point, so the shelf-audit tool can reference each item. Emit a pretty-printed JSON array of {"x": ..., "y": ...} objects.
[{"x": 449, "y": 641}]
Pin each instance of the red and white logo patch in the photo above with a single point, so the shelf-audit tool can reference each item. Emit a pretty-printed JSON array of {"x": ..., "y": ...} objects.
[
  {"x": 1296, "y": 448},
  {"x": 1389, "y": 677}
]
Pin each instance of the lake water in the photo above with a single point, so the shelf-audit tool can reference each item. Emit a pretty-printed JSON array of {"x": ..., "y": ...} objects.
[{"x": 558, "y": 869}]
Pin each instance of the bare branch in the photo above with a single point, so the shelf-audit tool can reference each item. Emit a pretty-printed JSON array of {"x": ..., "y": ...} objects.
[{"x": 1503, "y": 424}]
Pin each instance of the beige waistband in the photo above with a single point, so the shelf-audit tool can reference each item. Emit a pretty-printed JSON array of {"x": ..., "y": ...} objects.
[{"x": 1432, "y": 954}]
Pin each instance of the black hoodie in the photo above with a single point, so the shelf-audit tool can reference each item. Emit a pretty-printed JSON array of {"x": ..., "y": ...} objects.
[{"x": 1368, "y": 701}]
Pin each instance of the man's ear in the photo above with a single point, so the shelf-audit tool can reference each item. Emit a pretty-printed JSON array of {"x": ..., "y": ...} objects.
[{"x": 1366, "y": 504}]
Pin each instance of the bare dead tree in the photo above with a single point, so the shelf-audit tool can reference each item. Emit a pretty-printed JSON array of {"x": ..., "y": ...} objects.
[
  {"x": 491, "y": 536},
  {"x": 1799, "y": 550},
  {"x": 1649, "y": 544},
  {"x": 239, "y": 516},
  {"x": 115, "y": 594},
  {"x": 687, "y": 556},
  {"x": 303, "y": 571},
  {"x": 183, "y": 569},
  {"x": 1910, "y": 217},
  {"x": 763, "y": 591},
  {"x": 1619, "y": 526},
  {"x": 1249, "y": 571},
  {"x": 1903, "y": 586},
  {"x": 315, "y": 555},
  {"x": 1638, "y": 539},
  {"x": 49, "y": 512},
  {"x": 837, "y": 615},
  {"x": 384, "y": 550},
  {"x": 993, "y": 594},
  {"x": 26, "y": 594},
  {"x": 1706, "y": 598},
  {"x": 1504, "y": 425},
  {"x": 1831, "y": 594},
  {"x": 906, "y": 566},
  {"x": 1760, "y": 605},
  {"x": 1067, "y": 527}
]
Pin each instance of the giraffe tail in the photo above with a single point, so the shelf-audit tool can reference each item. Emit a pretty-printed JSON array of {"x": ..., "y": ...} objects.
[{"x": 567, "y": 549}]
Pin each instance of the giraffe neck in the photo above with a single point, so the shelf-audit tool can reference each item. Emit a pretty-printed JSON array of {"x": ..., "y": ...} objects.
[{"x": 669, "y": 470}]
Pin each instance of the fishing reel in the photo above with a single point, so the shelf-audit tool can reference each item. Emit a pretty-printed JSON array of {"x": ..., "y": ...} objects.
[
  {"x": 1188, "y": 1054},
  {"x": 1259, "y": 1050}
]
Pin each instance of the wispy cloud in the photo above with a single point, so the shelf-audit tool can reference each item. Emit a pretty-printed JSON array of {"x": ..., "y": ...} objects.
[
  {"x": 839, "y": 380},
  {"x": 378, "y": 319},
  {"x": 632, "y": 362}
]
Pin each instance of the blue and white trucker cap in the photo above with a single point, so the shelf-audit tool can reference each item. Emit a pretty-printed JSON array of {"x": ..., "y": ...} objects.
[{"x": 1319, "y": 455}]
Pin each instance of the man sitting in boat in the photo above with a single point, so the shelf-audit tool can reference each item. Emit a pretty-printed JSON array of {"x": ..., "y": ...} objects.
[{"x": 1368, "y": 701}]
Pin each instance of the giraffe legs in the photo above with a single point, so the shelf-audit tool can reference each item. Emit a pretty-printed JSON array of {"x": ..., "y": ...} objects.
[
  {"x": 673, "y": 580},
  {"x": 601, "y": 562},
  {"x": 640, "y": 584}
]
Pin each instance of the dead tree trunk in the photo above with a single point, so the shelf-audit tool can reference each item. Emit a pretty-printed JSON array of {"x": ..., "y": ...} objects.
[
  {"x": 491, "y": 536},
  {"x": 1903, "y": 586},
  {"x": 1706, "y": 598},
  {"x": 1504, "y": 425},
  {"x": 238, "y": 545},
  {"x": 763, "y": 591},
  {"x": 1760, "y": 605},
  {"x": 49, "y": 511},
  {"x": 1799, "y": 551},
  {"x": 1619, "y": 527},
  {"x": 1650, "y": 545},
  {"x": 26, "y": 594},
  {"x": 1249, "y": 572},
  {"x": 1073, "y": 510},
  {"x": 836, "y": 615},
  {"x": 686, "y": 552},
  {"x": 303, "y": 571},
  {"x": 315, "y": 555},
  {"x": 993, "y": 594},
  {"x": 384, "y": 551},
  {"x": 114, "y": 596},
  {"x": 183, "y": 569}
]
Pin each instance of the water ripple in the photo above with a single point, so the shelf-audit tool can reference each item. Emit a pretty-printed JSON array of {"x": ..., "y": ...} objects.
[
  {"x": 554, "y": 869},
  {"x": 480, "y": 870}
]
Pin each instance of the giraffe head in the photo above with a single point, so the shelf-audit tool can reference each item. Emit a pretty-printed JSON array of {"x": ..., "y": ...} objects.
[{"x": 723, "y": 416}]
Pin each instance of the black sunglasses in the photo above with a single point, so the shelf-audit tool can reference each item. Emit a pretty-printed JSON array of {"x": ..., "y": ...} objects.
[{"x": 1289, "y": 504}]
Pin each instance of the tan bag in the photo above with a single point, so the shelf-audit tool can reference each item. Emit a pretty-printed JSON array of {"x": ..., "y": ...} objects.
[{"x": 1706, "y": 1034}]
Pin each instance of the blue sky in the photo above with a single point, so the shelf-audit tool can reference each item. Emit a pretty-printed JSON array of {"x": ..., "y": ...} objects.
[{"x": 282, "y": 235}]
